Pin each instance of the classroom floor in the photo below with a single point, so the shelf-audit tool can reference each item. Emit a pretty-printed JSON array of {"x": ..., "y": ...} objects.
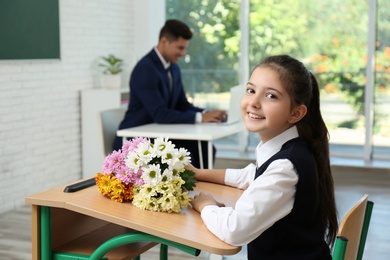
[{"x": 351, "y": 184}]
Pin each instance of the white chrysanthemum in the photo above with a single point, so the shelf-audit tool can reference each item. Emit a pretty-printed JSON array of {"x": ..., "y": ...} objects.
[
  {"x": 162, "y": 145},
  {"x": 182, "y": 159},
  {"x": 151, "y": 174},
  {"x": 184, "y": 156},
  {"x": 170, "y": 156},
  {"x": 133, "y": 161},
  {"x": 167, "y": 175},
  {"x": 145, "y": 153}
]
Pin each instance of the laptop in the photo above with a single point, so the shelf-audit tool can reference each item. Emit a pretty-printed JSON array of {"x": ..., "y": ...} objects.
[{"x": 234, "y": 111}]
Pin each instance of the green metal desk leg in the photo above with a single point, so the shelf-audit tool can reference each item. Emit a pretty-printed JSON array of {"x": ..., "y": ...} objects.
[
  {"x": 163, "y": 252},
  {"x": 45, "y": 232},
  {"x": 136, "y": 236}
]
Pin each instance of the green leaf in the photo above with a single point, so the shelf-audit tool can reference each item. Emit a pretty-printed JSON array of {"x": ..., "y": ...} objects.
[
  {"x": 189, "y": 179},
  {"x": 112, "y": 64}
]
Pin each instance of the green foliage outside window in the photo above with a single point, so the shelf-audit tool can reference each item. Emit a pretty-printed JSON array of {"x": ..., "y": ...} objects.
[
  {"x": 330, "y": 38},
  {"x": 211, "y": 63}
]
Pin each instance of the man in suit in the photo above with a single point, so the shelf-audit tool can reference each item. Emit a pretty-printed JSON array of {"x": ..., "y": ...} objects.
[{"x": 157, "y": 94}]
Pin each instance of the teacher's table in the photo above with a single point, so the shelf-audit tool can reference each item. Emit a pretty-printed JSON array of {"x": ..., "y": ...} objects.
[
  {"x": 199, "y": 132},
  {"x": 87, "y": 225}
]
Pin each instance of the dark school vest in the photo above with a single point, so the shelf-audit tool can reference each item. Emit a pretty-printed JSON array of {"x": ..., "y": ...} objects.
[{"x": 300, "y": 234}]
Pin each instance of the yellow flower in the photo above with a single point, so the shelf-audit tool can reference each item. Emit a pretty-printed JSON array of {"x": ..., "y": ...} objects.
[{"x": 113, "y": 188}]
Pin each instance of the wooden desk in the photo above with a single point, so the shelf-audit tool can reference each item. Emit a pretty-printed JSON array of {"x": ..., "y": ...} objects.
[
  {"x": 74, "y": 215},
  {"x": 199, "y": 132}
]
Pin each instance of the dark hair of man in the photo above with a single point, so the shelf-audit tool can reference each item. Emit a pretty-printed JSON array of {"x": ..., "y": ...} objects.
[
  {"x": 175, "y": 29},
  {"x": 303, "y": 88}
]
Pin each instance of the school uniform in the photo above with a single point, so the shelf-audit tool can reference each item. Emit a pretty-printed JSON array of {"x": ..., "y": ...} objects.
[{"x": 278, "y": 214}]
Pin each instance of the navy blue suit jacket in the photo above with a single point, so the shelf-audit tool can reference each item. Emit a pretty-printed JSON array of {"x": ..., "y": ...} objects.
[{"x": 151, "y": 100}]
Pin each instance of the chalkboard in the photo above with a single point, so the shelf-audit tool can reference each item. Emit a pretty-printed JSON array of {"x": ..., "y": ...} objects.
[{"x": 29, "y": 29}]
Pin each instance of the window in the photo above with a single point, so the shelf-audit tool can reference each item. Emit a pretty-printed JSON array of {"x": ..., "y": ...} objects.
[
  {"x": 332, "y": 38},
  {"x": 210, "y": 65},
  {"x": 381, "y": 120}
]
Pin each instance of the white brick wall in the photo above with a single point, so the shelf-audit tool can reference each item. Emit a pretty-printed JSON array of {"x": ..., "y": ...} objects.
[{"x": 40, "y": 145}]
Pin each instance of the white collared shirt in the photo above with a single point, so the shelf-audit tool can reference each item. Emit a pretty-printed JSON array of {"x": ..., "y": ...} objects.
[
  {"x": 264, "y": 201},
  {"x": 165, "y": 63}
]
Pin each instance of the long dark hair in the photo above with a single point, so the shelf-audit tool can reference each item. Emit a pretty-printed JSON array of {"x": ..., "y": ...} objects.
[{"x": 303, "y": 88}]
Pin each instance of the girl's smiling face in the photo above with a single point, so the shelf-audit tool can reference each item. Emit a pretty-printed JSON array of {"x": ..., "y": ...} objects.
[{"x": 266, "y": 105}]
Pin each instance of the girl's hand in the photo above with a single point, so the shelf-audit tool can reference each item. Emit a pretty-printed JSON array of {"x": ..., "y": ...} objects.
[
  {"x": 202, "y": 200},
  {"x": 191, "y": 168}
]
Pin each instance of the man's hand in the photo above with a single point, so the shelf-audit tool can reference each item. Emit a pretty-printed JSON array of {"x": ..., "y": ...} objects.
[
  {"x": 214, "y": 116},
  {"x": 202, "y": 200}
]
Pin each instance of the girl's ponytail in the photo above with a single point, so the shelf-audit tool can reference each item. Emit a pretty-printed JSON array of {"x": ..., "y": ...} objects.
[{"x": 318, "y": 141}]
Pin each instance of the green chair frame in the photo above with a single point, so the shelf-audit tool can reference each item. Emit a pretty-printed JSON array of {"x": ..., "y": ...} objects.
[
  {"x": 341, "y": 243},
  {"x": 340, "y": 248},
  {"x": 366, "y": 225}
]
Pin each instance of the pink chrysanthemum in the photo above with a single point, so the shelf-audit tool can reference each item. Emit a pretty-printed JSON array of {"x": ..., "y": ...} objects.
[
  {"x": 137, "y": 180},
  {"x": 125, "y": 175},
  {"x": 131, "y": 145},
  {"x": 113, "y": 162}
]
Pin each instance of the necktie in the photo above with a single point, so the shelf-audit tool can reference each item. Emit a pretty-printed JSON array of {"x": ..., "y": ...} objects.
[{"x": 170, "y": 78}]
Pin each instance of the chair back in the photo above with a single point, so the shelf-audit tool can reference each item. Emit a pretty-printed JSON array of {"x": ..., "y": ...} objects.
[
  {"x": 110, "y": 120},
  {"x": 366, "y": 224},
  {"x": 351, "y": 227}
]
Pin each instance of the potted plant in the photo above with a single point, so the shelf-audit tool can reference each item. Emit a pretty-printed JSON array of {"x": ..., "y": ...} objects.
[{"x": 112, "y": 67}]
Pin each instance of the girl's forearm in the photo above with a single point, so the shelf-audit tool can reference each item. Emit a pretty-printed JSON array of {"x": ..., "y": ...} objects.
[{"x": 214, "y": 175}]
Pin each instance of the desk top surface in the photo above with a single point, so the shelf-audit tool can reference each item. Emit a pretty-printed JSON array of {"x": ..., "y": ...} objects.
[
  {"x": 205, "y": 132},
  {"x": 185, "y": 227}
]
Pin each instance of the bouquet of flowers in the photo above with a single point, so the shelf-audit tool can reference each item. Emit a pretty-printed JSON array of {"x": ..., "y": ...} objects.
[{"x": 151, "y": 175}]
